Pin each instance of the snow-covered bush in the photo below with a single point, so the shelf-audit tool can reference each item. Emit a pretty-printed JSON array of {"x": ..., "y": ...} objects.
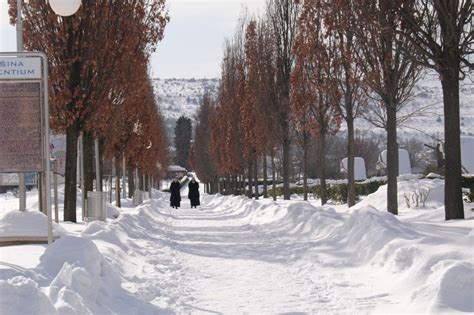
[{"x": 417, "y": 197}]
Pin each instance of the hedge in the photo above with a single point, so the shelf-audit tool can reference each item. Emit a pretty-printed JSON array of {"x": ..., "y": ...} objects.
[{"x": 338, "y": 192}]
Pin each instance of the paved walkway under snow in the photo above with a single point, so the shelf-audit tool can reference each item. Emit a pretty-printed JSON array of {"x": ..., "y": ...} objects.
[
  {"x": 239, "y": 256},
  {"x": 217, "y": 263}
]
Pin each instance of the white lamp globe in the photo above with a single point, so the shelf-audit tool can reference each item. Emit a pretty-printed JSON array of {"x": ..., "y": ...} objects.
[{"x": 65, "y": 7}]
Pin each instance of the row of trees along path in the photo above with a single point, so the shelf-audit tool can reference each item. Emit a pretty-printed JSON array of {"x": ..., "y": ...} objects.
[
  {"x": 304, "y": 67},
  {"x": 99, "y": 85}
]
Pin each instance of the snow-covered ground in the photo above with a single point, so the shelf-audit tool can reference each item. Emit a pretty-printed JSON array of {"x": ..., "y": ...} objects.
[{"x": 235, "y": 255}]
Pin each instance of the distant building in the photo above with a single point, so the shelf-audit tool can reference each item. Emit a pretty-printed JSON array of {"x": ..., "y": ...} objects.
[{"x": 176, "y": 170}]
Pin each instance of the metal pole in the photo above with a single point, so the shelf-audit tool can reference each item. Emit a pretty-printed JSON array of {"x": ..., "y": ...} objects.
[
  {"x": 55, "y": 184},
  {"x": 19, "y": 26},
  {"x": 47, "y": 168},
  {"x": 98, "y": 184},
  {"x": 19, "y": 48},
  {"x": 22, "y": 188}
]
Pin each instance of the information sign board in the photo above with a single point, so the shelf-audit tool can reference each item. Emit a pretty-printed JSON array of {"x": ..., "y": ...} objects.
[
  {"x": 20, "y": 127},
  {"x": 15, "y": 67}
]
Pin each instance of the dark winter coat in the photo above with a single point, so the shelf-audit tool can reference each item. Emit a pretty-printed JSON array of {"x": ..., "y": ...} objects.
[
  {"x": 193, "y": 194},
  {"x": 175, "y": 198}
]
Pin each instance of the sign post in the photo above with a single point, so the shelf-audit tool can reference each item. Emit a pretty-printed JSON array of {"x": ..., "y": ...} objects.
[{"x": 24, "y": 119}]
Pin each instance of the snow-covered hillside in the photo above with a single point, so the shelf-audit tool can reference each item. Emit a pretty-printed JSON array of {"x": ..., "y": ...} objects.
[
  {"x": 428, "y": 96},
  {"x": 178, "y": 97}
]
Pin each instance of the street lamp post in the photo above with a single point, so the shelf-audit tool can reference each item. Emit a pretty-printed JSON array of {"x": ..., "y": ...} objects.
[
  {"x": 62, "y": 8},
  {"x": 65, "y": 7},
  {"x": 19, "y": 48}
]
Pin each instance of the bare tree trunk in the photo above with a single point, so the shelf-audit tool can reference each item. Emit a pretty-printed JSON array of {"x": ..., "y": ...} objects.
[
  {"x": 236, "y": 185},
  {"x": 392, "y": 160},
  {"x": 70, "y": 196},
  {"x": 141, "y": 184},
  {"x": 233, "y": 180},
  {"x": 305, "y": 170},
  {"x": 250, "y": 180},
  {"x": 101, "y": 167},
  {"x": 239, "y": 183},
  {"x": 286, "y": 166},
  {"x": 72, "y": 133},
  {"x": 265, "y": 176},
  {"x": 454, "y": 207},
  {"x": 117, "y": 181},
  {"x": 322, "y": 168},
  {"x": 273, "y": 177},
  {"x": 228, "y": 190},
  {"x": 350, "y": 161},
  {"x": 255, "y": 177},
  {"x": 131, "y": 182},
  {"x": 88, "y": 156}
]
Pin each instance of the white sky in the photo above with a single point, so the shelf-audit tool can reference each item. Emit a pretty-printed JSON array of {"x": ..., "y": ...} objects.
[{"x": 193, "y": 41}]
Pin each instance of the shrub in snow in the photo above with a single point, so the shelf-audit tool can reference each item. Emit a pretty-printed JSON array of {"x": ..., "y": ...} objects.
[{"x": 417, "y": 197}]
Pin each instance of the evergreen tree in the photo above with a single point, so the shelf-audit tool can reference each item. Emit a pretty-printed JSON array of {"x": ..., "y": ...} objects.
[{"x": 182, "y": 141}]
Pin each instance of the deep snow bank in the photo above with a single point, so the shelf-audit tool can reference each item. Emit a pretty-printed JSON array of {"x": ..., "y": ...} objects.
[
  {"x": 434, "y": 188},
  {"x": 430, "y": 267},
  {"x": 27, "y": 223},
  {"x": 72, "y": 278}
]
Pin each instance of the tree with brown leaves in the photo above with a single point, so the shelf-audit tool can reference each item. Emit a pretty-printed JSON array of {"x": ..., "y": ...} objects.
[
  {"x": 315, "y": 90},
  {"x": 252, "y": 111},
  {"x": 282, "y": 17},
  {"x": 339, "y": 22},
  {"x": 84, "y": 52}
]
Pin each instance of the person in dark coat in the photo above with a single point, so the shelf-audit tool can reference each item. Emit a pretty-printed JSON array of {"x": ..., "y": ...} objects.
[
  {"x": 193, "y": 193},
  {"x": 175, "y": 190}
]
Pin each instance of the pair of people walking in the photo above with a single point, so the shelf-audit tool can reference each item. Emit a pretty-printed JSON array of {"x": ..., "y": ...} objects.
[{"x": 193, "y": 194}]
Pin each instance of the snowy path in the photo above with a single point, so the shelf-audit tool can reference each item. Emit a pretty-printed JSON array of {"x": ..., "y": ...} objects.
[
  {"x": 239, "y": 256},
  {"x": 226, "y": 265}
]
